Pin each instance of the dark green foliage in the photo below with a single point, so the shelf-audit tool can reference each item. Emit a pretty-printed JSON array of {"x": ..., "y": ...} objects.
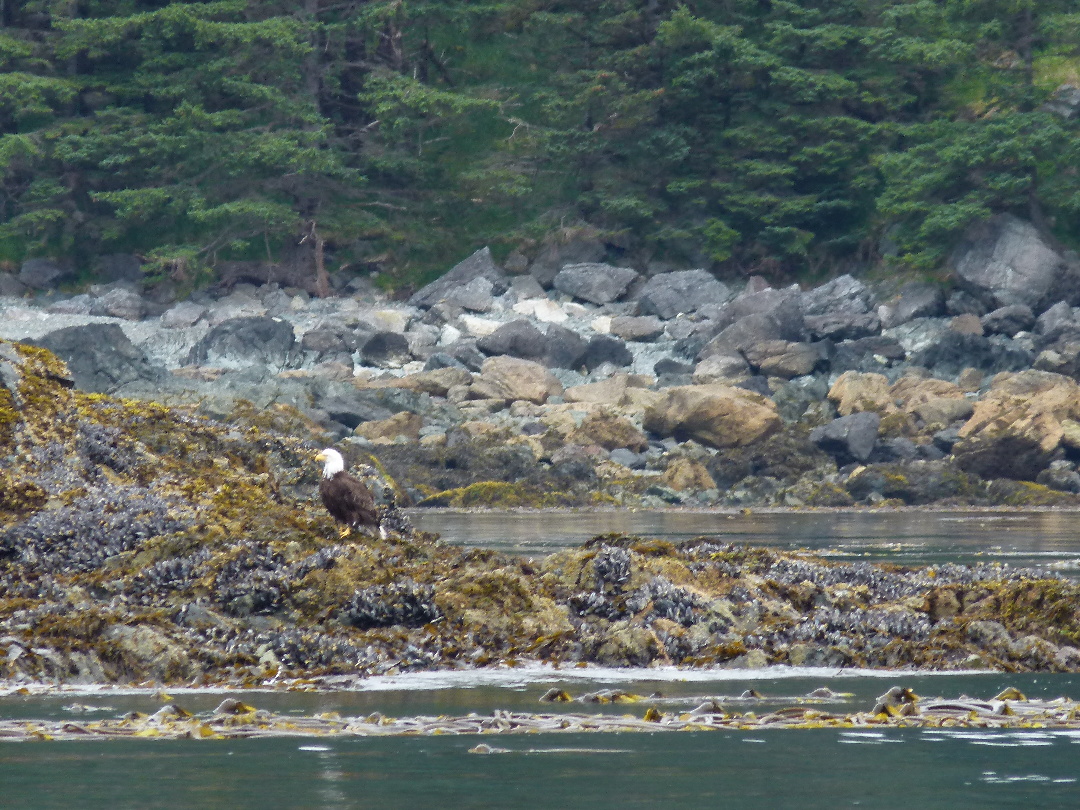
[{"x": 779, "y": 136}]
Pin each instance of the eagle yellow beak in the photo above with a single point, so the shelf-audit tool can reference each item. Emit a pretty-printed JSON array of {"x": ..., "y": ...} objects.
[{"x": 321, "y": 457}]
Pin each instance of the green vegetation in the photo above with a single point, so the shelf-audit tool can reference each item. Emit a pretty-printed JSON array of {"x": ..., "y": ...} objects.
[{"x": 778, "y": 137}]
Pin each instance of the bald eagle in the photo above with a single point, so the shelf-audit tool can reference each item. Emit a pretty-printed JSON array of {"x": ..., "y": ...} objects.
[{"x": 347, "y": 499}]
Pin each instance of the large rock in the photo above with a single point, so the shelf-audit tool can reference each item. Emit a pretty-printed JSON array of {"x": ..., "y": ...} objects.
[
  {"x": 386, "y": 350},
  {"x": 594, "y": 282},
  {"x": 563, "y": 348},
  {"x": 478, "y": 265},
  {"x": 606, "y": 349},
  {"x": 682, "y": 291},
  {"x": 918, "y": 299},
  {"x": 954, "y": 351},
  {"x": 843, "y": 294},
  {"x": 119, "y": 303},
  {"x": 100, "y": 357},
  {"x": 1009, "y": 320},
  {"x": 518, "y": 338},
  {"x": 850, "y": 437},
  {"x": 43, "y": 274},
  {"x": 716, "y": 415},
  {"x": 1018, "y": 425},
  {"x": 855, "y": 391},
  {"x": 240, "y": 343},
  {"x": 1005, "y": 261},
  {"x": 637, "y": 327},
  {"x": 840, "y": 309},
  {"x": 513, "y": 379},
  {"x": 568, "y": 246},
  {"x": 783, "y": 358}
]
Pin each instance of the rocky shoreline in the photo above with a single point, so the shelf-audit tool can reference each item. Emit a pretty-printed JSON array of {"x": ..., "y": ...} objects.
[
  {"x": 561, "y": 380},
  {"x": 158, "y": 521},
  {"x": 147, "y": 544}
]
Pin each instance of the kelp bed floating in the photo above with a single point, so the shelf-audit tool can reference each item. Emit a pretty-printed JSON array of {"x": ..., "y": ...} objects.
[{"x": 233, "y": 719}]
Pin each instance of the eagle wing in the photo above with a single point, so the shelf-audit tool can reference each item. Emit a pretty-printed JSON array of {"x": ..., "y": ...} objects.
[{"x": 349, "y": 501}]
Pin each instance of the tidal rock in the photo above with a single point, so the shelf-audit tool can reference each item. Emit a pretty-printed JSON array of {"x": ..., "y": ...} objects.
[
  {"x": 843, "y": 294},
  {"x": 1005, "y": 261},
  {"x": 917, "y": 300},
  {"x": 512, "y": 379},
  {"x": 783, "y": 358},
  {"x": 595, "y": 283},
  {"x": 100, "y": 357},
  {"x": 1017, "y": 425},
  {"x": 1059, "y": 322},
  {"x": 386, "y": 350},
  {"x": 850, "y": 437},
  {"x": 518, "y": 338},
  {"x": 240, "y": 343},
  {"x": 478, "y": 265},
  {"x": 183, "y": 315},
  {"x": 955, "y": 351},
  {"x": 119, "y": 303},
  {"x": 636, "y": 327},
  {"x": 605, "y": 349},
  {"x": 685, "y": 291},
  {"x": 1009, "y": 320},
  {"x": 563, "y": 348},
  {"x": 716, "y": 415}
]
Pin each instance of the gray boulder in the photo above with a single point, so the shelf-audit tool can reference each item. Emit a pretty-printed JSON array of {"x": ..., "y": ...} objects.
[
  {"x": 520, "y": 338},
  {"x": 119, "y": 303},
  {"x": 637, "y": 327},
  {"x": 606, "y": 349},
  {"x": 1005, "y": 261},
  {"x": 478, "y": 265},
  {"x": 100, "y": 357},
  {"x": 843, "y": 294},
  {"x": 594, "y": 282},
  {"x": 843, "y": 324},
  {"x": 682, "y": 291},
  {"x": 559, "y": 250},
  {"x": 563, "y": 348},
  {"x": 1059, "y": 322},
  {"x": 43, "y": 274},
  {"x": 240, "y": 343},
  {"x": 954, "y": 351},
  {"x": 917, "y": 300},
  {"x": 385, "y": 350},
  {"x": 850, "y": 437},
  {"x": 182, "y": 315},
  {"x": 1009, "y": 320}
]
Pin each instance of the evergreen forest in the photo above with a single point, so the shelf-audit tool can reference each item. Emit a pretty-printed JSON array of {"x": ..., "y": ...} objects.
[{"x": 783, "y": 137}]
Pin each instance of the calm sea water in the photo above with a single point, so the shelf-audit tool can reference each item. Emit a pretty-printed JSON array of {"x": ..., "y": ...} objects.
[
  {"x": 1041, "y": 539},
  {"x": 776, "y": 768}
]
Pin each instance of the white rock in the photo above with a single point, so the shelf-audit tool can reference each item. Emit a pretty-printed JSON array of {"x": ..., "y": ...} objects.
[
  {"x": 478, "y": 327},
  {"x": 390, "y": 320},
  {"x": 449, "y": 335},
  {"x": 542, "y": 309},
  {"x": 602, "y": 324}
]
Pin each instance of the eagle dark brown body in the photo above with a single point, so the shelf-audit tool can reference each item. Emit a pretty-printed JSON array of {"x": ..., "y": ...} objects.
[{"x": 347, "y": 499}]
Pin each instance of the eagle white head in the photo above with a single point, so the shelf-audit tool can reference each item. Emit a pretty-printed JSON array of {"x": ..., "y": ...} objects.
[{"x": 332, "y": 461}]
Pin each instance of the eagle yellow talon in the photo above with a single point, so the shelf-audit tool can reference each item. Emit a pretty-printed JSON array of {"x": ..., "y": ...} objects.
[{"x": 344, "y": 533}]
